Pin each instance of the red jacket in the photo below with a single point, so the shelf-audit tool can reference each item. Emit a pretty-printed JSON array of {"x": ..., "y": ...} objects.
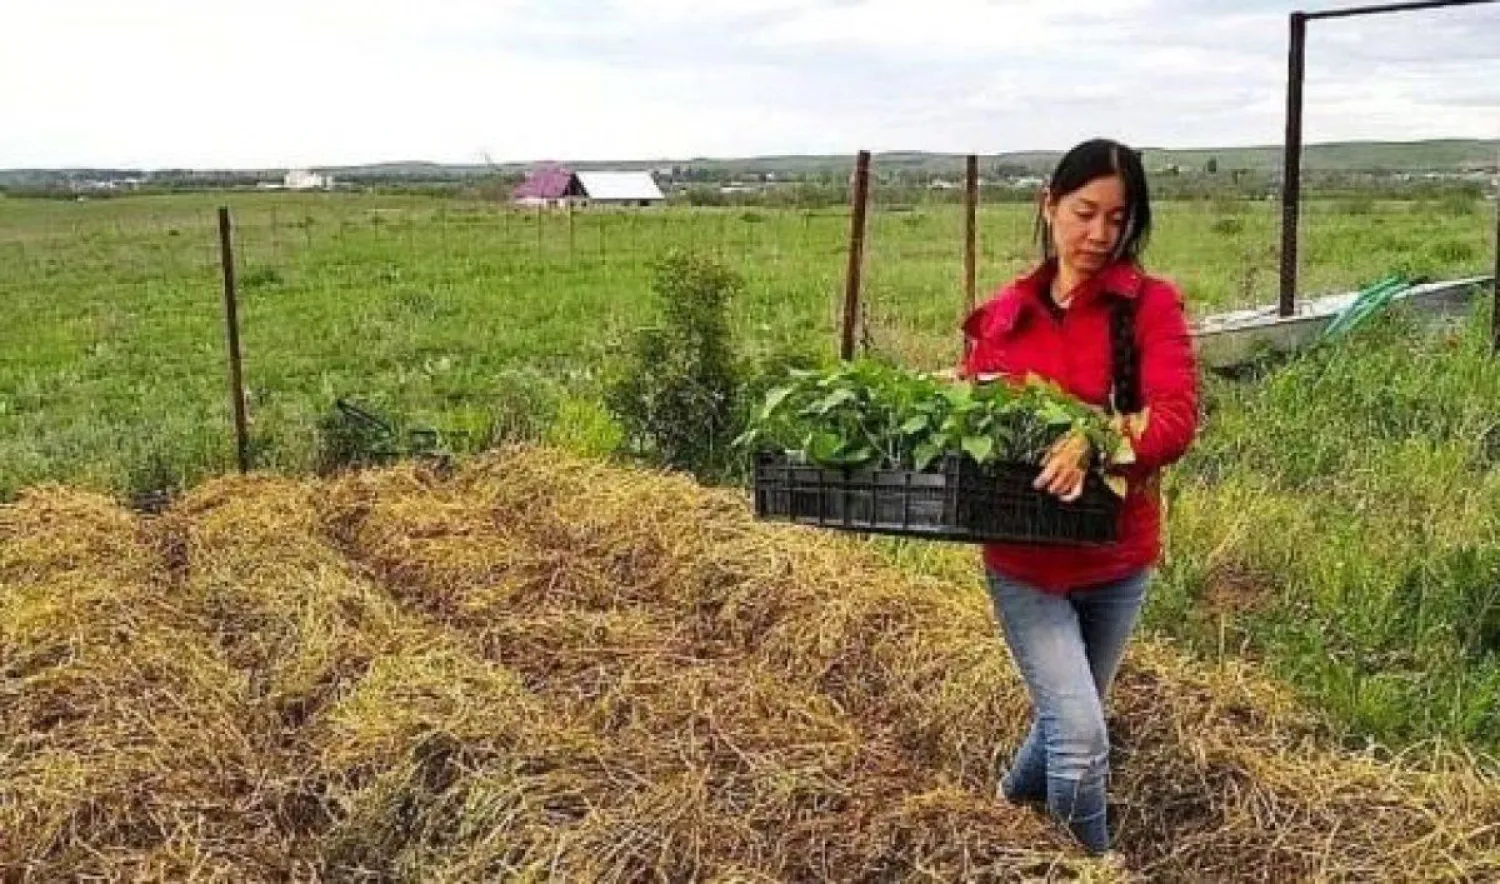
[{"x": 1014, "y": 334}]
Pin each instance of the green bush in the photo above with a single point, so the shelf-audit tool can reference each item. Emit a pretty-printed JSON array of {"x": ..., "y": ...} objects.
[
  {"x": 522, "y": 406},
  {"x": 704, "y": 195},
  {"x": 583, "y": 426},
  {"x": 676, "y": 392}
]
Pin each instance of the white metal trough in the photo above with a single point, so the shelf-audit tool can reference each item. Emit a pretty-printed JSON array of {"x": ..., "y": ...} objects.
[{"x": 1230, "y": 339}]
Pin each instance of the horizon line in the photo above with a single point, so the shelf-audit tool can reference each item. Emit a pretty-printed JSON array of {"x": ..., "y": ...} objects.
[{"x": 742, "y": 158}]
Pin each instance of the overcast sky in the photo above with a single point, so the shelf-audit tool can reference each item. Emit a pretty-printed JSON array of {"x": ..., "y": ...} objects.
[{"x": 225, "y": 83}]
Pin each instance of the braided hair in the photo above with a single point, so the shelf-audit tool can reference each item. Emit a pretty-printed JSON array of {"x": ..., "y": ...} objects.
[
  {"x": 1086, "y": 162},
  {"x": 1125, "y": 357}
]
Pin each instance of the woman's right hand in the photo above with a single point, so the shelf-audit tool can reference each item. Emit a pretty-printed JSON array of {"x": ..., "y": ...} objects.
[{"x": 1065, "y": 467}]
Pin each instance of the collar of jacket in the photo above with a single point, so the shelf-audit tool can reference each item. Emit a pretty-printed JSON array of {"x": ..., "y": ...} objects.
[{"x": 1025, "y": 295}]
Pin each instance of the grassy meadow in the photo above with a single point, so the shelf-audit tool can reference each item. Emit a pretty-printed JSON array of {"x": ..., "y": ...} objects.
[
  {"x": 1340, "y": 519},
  {"x": 469, "y": 316}
]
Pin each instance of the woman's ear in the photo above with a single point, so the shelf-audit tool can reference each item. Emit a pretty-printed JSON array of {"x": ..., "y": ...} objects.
[{"x": 1046, "y": 205}]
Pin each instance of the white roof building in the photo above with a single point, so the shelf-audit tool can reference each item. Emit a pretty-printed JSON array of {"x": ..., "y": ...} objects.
[
  {"x": 556, "y": 187},
  {"x": 620, "y": 187},
  {"x": 303, "y": 179}
]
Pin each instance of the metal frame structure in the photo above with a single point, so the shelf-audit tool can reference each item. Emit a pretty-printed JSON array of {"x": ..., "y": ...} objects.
[{"x": 1291, "y": 180}]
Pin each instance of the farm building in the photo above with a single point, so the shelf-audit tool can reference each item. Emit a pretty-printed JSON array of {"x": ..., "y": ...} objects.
[
  {"x": 555, "y": 187},
  {"x": 303, "y": 179}
]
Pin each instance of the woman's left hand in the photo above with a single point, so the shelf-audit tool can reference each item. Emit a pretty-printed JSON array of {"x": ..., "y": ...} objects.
[{"x": 1065, "y": 467}]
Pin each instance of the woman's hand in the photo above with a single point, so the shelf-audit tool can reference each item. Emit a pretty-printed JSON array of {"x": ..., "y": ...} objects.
[
  {"x": 1065, "y": 467},
  {"x": 1131, "y": 426}
]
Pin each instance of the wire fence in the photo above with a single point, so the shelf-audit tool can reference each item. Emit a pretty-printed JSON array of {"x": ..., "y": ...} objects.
[
  {"x": 112, "y": 360},
  {"x": 113, "y": 369}
]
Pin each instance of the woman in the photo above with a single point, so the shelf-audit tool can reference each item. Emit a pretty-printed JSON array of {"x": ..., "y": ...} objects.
[{"x": 1087, "y": 317}]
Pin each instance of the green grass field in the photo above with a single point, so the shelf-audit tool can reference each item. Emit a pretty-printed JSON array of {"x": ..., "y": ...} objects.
[
  {"x": 464, "y": 314},
  {"x": 1340, "y": 518}
]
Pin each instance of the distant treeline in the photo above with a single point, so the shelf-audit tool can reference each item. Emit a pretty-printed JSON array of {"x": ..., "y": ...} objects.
[
  {"x": 905, "y": 187},
  {"x": 1168, "y": 187}
]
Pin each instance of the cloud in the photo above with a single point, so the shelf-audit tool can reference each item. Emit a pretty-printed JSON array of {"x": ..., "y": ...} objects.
[{"x": 306, "y": 82}]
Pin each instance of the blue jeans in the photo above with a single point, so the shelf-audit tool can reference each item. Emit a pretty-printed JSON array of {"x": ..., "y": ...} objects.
[{"x": 1068, "y": 648}]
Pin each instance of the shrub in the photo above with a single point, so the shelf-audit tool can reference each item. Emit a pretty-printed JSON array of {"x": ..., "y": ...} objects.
[{"x": 676, "y": 391}]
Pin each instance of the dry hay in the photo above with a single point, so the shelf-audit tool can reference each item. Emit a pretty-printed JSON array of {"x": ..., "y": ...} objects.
[
  {"x": 121, "y": 746},
  {"x": 541, "y": 667}
]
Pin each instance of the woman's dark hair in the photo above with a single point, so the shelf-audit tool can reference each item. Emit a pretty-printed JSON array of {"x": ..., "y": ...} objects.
[
  {"x": 1125, "y": 393},
  {"x": 1100, "y": 158}
]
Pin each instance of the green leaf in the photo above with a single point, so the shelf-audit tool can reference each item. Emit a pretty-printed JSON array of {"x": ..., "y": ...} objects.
[
  {"x": 959, "y": 394},
  {"x": 925, "y": 454},
  {"x": 773, "y": 401},
  {"x": 979, "y": 447},
  {"x": 824, "y": 447},
  {"x": 866, "y": 412},
  {"x": 834, "y": 400},
  {"x": 1054, "y": 414},
  {"x": 857, "y": 456}
]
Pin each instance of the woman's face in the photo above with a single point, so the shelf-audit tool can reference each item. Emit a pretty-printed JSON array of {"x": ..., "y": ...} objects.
[{"x": 1085, "y": 225}]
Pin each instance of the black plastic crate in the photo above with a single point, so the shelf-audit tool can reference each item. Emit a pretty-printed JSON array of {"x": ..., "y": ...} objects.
[{"x": 956, "y": 499}]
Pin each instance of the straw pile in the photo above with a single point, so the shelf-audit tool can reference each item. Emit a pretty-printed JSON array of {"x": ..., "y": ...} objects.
[{"x": 543, "y": 668}]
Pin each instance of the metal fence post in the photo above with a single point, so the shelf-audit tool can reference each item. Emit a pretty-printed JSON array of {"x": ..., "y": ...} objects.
[
  {"x": 232, "y": 331},
  {"x": 1495, "y": 288},
  {"x": 971, "y": 235},
  {"x": 860, "y": 198},
  {"x": 1291, "y": 175}
]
